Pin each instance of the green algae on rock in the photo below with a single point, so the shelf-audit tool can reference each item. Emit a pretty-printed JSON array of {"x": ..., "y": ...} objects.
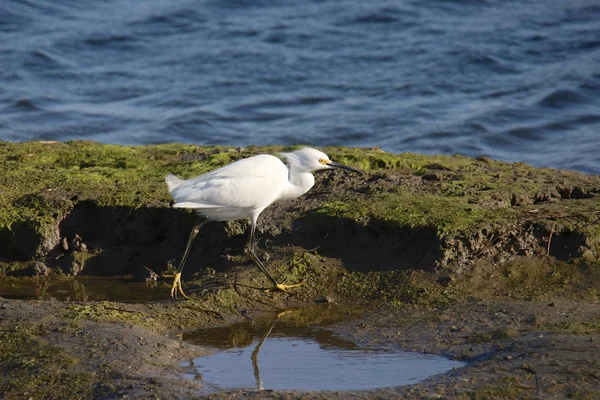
[
  {"x": 31, "y": 365},
  {"x": 409, "y": 213}
]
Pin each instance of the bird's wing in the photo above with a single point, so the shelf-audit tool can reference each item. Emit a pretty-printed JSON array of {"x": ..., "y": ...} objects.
[
  {"x": 230, "y": 192},
  {"x": 259, "y": 166},
  {"x": 249, "y": 183},
  {"x": 189, "y": 204}
]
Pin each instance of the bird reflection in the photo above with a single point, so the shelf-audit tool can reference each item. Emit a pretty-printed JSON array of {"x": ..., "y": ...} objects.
[{"x": 259, "y": 384}]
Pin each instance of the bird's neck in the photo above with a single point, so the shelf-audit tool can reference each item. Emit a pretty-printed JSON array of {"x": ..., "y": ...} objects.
[{"x": 299, "y": 183}]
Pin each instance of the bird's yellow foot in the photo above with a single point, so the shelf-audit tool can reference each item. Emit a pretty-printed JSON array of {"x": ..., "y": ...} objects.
[
  {"x": 176, "y": 287},
  {"x": 281, "y": 287}
]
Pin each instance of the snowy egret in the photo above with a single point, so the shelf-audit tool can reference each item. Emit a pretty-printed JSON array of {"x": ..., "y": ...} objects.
[{"x": 242, "y": 190}]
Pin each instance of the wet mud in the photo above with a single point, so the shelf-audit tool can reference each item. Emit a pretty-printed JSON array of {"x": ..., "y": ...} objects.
[
  {"x": 513, "y": 349},
  {"x": 490, "y": 263}
]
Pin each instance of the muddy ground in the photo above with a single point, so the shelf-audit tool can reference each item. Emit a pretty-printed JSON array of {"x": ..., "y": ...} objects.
[
  {"x": 492, "y": 263},
  {"x": 515, "y": 349}
]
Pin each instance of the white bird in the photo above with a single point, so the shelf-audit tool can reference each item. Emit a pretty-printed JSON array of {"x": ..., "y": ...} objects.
[{"x": 242, "y": 190}]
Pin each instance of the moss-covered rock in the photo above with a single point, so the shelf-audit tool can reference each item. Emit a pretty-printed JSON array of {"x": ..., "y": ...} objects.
[{"x": 96, "y": 209}]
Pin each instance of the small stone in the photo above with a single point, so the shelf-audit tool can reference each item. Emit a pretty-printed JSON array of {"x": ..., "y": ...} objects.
[
  {"x": 41, "y": 269},
  {"x": 65, "y": 244},
  {"x": 146, "y": 275},
  {"x": 432, "y": 176},
  {"x": 589, "y": 256},
  {"x": 445, "y": 280},
  {"x": 77, "y": 244},
  {"x": 75, "y": 268},
  {"x": 519, "y": 200},
  {"x": 325, "y": 299}
]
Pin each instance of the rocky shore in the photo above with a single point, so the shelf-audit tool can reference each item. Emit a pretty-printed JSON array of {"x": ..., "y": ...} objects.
[{"x": 490, "y": 262}]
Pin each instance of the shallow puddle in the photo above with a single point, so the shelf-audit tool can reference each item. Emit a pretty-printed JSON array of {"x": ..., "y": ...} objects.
[
  {"x": 82, "y": 289},
  {"x": 280, "y": 355}
]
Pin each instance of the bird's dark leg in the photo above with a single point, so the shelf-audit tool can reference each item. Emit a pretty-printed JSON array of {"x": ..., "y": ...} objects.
[
  {"x": 176, "y": 287},
  {"x": 276, "y": 285},
  {"x": 255, "y": 258}
]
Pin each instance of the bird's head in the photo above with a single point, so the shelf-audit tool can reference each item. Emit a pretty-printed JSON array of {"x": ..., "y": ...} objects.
[{"x": 308, "y": 160}]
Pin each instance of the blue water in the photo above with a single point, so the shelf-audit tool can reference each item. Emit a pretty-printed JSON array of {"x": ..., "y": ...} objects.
[
  {"x": 512, "y": 80},
  {"x": 286, "y": 354},
  {"x": 303, "y": 364}
]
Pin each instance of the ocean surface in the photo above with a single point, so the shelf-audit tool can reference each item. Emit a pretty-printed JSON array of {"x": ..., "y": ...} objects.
[{"x": 516, "y": 80}]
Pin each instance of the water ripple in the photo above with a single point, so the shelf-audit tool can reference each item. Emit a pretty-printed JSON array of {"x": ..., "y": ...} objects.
[
  {"x": 514, "y": 80},
  {"x": 563, "y": 98}
]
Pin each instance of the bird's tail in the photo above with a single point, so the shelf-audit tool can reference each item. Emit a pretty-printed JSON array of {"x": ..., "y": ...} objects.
[{"x": 172, "y": 182}]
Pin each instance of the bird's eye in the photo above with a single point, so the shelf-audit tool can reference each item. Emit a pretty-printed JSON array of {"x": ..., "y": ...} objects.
[{"x": 323, "y": 161}]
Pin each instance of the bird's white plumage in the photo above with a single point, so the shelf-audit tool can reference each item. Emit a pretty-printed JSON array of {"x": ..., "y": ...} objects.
[
  {"x": 246, "y": 187},
  {"x": 235, "y": 191}
]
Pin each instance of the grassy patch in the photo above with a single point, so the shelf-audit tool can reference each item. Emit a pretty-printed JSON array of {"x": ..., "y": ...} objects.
[
  {"x": 154, "y": 317},
  {"x": 529, "y": 278},
  {"x": 574, "y": 327},
  {"x": 29, "y": 367},
  {"x": 463, "y": 214},
  {"x": 493, "y": 335}
]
